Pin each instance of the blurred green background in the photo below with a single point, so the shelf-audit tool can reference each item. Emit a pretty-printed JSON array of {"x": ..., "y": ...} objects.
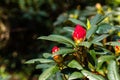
[{"x": 23, "y": 21}]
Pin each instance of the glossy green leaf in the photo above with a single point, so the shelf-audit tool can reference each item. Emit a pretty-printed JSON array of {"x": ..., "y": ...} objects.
[
  {"x": 75, "y": 64},
  {"x": 97, "y": 19},
  {"x": 91, "y": 31},
  {"x": 41, "y": 60},
  {"x": 77, "y": 22},
  {"x": 91, "y": 76},
  {"x": 75, "y": 75},
  {"x": 69, "y": 29},
  {"x": 113, "y": 43},
  {"x": 48, "y": 73},
  {"x": 42, "y": 66},
  {"x": 99, "y": 38},
  {"x": 103, "y": 59},
  {"x": 64, "y": 51},
  {"x": 105, "y": 28},
  {"x": 85, "y": 43},
  {"x": 113, "y": 71},
  {"x": 59, "y": 39}
]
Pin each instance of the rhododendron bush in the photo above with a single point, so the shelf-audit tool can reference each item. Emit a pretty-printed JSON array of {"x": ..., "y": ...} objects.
[{"x": 91, "y": 52}]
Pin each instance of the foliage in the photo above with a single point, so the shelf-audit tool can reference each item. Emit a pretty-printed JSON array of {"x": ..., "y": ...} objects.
[{"x": 93, "y": 58}]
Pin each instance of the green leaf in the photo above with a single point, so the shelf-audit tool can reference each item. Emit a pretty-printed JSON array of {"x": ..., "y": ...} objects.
[
  {"x": 64, "y": 51},
  {"x": 113, "y": 43},
  {"x": 97, "y": 19},
  {"x": 92, "y": 76},
  {"x": 77, "y": 22},
  {"x": 113, "y": 71},
  {"x": 47, "y": 55},
  {"x": 48, "y": 72},
  {"x": 103, "y": 59},
  {"x": 97, "y": 43},
  {"x": 42, "y": 66},
  {"x": 75, "y": 75},
  {"x": 41, "y": 60},
  {"x": 105, "y": 28},
  {"x": 69, "y": 29},
  {"x": 75, "y": 64},
  {"x": 85, "y": 43},
  {"x": 93, "y": 54},
  {"x": 99, "y": 38},
  {"x": 59, "y": 39},
  {"x": 91, "y": 31}
]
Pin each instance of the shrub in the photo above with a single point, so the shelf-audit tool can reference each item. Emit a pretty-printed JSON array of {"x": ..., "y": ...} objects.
[{"x": 90, "y": 53}]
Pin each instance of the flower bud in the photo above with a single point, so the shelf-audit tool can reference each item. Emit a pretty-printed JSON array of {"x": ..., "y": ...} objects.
[
  {"x": 117, "y": 50},
  {"x": 57, "y": 58},
  {"x": 79, "y": 34}
]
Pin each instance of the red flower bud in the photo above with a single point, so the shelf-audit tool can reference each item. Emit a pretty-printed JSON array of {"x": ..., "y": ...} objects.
[
  {"x": 55, "y": 49},
  {"x": 117, "y": 50},
  {"x": 57, "y": 58},
  {"x": 79, "y": 34}
]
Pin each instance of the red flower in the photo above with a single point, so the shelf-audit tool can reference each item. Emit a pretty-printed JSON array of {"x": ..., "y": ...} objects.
[
  {"x": 55, "y": 49},
  {"x": 117, "y": 50},
  {"x": 79, "y": 34},
  {"x": 57, "y": 58}
]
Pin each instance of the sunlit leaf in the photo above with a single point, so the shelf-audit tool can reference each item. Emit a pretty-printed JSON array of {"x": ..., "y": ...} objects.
[
  {"x": 103, "y": 59},
  {"x": 41, "y": 60},
  {"x": 75, "y": 75},
  {"x": 48, "y": 73},
  {"x": 75, "y": 64},
  {"x": 113, "y": 71},
  {"x": 64, "y": 51},
  {"x": 113, "y": 43},
  {"x": 92, "y": 76},
  {"x": 85, "y": 43},
  {"x": 77, "y": 22},
  {"x": 59, "y": 39}
]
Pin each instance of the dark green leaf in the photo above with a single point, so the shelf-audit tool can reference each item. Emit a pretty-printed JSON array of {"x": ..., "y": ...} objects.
[
  {"x": 91, "y": 31},
  {"x": 97, "y": 19},
  {"x": 92, "y": 76},
  {"x": 59, "y": 39},
  {"x": 105, "y": 28},
  {"x": 41, "y": 60},
  {"x": 75, "y": 75},
  {"x": 99, "y": 38},
  {"x": 113, "y": 71},
  {"x": 77, "y": 22},
  {"x": 93, "y": 54},
  {"x": 75, "y": 64},
  {"x": 48, "y": 73},
  {"x": 64, "y": 51},
  {"x": 113, "y": 43},
  {"x": 69, "y": 29},
  {"x": 103, "y": 59}
]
